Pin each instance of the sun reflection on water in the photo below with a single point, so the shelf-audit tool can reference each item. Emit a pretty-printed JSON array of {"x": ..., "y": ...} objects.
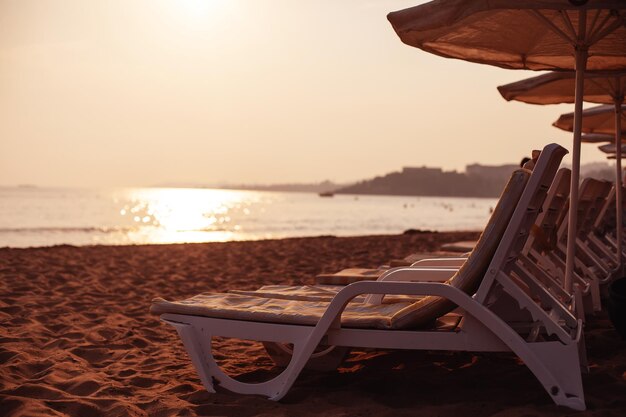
[
  {"x": 43, "y": 217},
  {"x": 166, "y": 215}
]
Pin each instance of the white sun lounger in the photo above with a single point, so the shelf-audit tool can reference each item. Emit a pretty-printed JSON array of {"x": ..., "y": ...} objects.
[
  {"x": 449, "y": 265},
  {"x": 593, "y": 197},
  {"x": 544, "y": 253},
  {"x": 505, "y": 313},
  {"x": 544, "y": 258},
  {"x": 349, "y": 275},
  {"x": 539, "y": 258},
  {"x": 590, "y": 266}
]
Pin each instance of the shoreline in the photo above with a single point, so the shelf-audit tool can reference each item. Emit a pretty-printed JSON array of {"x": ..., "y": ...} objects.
[
  {"x": 77, "y": 338},
  {"x": 328, "y": 236}
]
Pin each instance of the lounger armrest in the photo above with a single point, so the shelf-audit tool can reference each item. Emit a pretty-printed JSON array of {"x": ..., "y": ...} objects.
[
  {"x": 412, "y": 274},
  {"x": 470, "y": 305},
  {"x": 421, "y": 274},
  {"x": 440, "y": 262},
  {"x": 349, "y": 292}
]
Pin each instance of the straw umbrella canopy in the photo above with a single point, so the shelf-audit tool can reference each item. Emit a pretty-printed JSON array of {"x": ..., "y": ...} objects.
[
  {"x": 598, "y": 119},
  {"x": 599, "y": 138},
  {"x": 602, "y": 87},
  {"x": 575, "y": 35},
  {"x": 599, "y": 87},
  {"x": 610, "y": 148}
]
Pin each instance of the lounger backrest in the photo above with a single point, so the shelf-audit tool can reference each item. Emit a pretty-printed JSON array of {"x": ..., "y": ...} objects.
[
  {"x": 500, "y": 244},
  {"x": 516, "y": 235},
  {"x": 501, "y": 287},
  {"x": 543, "y": 240},
  {"x": 606, "y": 220},
  {"x": 595, "y": 198},
  {"x": 543, "y": 236},
  {"x": 591, "y": 192},
  {"x": 468, "y": 278},
  {"x": 606, "y": 217}
]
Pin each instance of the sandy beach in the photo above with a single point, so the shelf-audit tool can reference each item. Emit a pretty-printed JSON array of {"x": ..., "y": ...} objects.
[{"x": 77, "y": 339}]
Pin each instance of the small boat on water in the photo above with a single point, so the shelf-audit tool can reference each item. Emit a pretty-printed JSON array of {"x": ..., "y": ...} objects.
[{"x": 326, "y": 194}]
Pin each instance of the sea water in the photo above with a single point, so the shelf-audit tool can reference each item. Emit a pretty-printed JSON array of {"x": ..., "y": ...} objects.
[{"x": 32, "y": 216}]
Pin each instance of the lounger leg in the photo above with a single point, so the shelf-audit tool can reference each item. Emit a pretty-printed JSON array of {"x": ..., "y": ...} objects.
[
  {"x": 556, "y": 365},
  {"x": 196, "y": 351},
  {"x": 197, "y": 341}
]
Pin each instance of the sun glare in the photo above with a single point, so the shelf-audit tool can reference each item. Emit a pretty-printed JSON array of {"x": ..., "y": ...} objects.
[
  {"x": 184, "y": 215},
  {"x": 196, "y": 11},
  {"x": 195, "y": 7}
]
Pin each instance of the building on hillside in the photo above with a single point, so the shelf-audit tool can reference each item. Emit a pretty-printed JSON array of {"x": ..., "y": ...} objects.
[{"x": 490, "y": 171}]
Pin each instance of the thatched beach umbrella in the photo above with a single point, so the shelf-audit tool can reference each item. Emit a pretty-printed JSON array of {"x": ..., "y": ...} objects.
[
  {"x": 598, "y": 119},
  {"x": 610, "y": 148},
  {"x": 599, "y": 138},
  {"x": 599, "y": 87},
  {"x": 575, "y": 35}
]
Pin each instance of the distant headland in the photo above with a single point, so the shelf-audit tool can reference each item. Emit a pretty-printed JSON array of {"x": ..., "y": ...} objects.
[{"x": 476, "y": 181}]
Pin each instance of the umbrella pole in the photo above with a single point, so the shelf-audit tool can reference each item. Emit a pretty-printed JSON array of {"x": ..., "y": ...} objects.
[
  {"x": 581, "y": 63},
  {"x": 618, "y": 184}
]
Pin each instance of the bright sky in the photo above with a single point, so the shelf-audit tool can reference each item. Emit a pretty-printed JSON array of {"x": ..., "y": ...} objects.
[{"x": 142, "y": 92}]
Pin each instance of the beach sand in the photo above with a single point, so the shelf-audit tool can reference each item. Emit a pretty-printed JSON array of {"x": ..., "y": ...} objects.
[{"x": 76, "y": 338}]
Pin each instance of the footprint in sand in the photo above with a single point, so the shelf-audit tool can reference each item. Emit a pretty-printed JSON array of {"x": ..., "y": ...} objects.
[
  {"x": 126, "y": 373},
  {"x": 93, "y": 355},
  {"x": 82, "y": 387},
  {"x": 6, "y": 355},
  {"x": 143, "y": 382}
]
